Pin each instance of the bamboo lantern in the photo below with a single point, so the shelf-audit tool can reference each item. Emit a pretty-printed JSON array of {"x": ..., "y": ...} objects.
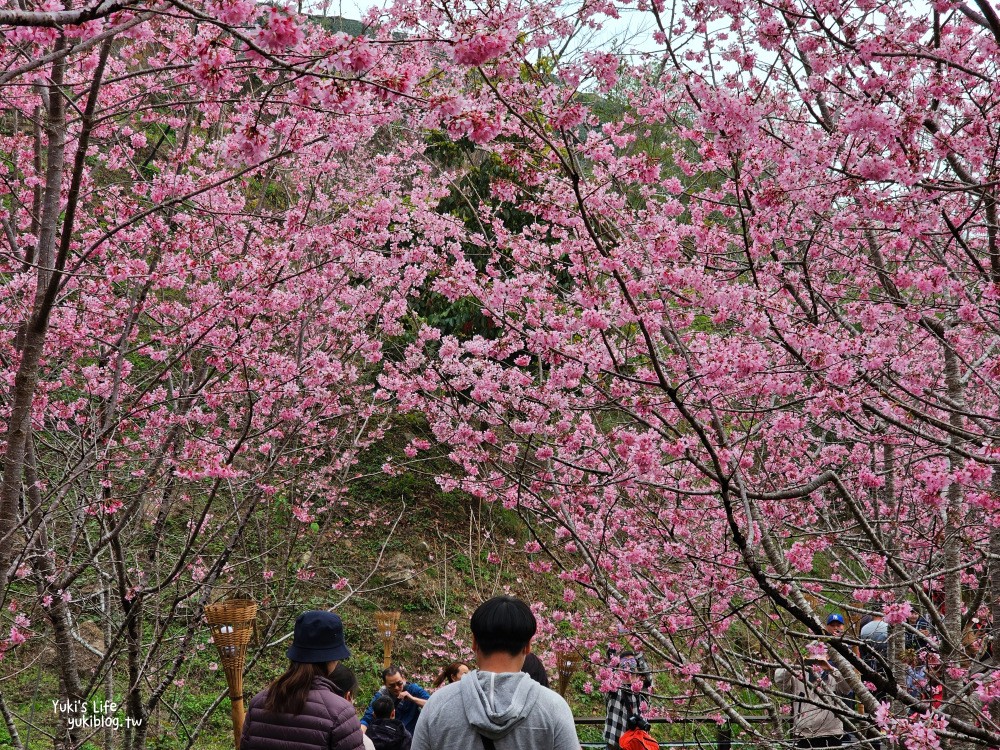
[
  {"x": 567, "y": 663},
  {"x": 231, "y": 623},
  {"x": 387, "y": 622}
]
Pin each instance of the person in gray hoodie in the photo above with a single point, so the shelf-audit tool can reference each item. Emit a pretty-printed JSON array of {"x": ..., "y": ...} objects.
[{"x": 497, "y": 706}]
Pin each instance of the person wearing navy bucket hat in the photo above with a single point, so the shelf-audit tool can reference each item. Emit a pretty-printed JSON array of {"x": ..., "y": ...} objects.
[{"x": 303, "y": 709}]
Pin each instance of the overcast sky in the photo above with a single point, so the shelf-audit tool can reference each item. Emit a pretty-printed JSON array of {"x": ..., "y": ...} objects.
[{"x": 632, "y": 31}]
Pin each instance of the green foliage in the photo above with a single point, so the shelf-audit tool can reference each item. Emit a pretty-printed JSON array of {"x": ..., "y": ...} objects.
[
  {"x": 470, "y": 196},
  {"x": 461, "y": 563},
  {"x": 339, "y": 23},
  {"x": 417, "y": 487},
  {"x": 269, "y": 192}
]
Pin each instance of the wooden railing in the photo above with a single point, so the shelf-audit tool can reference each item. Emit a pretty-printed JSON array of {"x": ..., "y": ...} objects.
[{"x": 723, "y": 734}]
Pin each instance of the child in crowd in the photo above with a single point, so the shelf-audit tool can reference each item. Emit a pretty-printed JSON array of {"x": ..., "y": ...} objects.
[{"x": 385, "y": 731}]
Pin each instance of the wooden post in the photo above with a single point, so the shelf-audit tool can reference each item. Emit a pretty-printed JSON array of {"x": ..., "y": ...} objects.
[
  {"x": 568, "y": 662},
  {"x": 387, "y": 622},
  {"x": 231, "y": 623}
]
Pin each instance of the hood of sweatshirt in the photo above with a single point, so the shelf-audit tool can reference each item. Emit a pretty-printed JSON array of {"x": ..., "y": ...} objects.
[{"x": 495, "y": 703}]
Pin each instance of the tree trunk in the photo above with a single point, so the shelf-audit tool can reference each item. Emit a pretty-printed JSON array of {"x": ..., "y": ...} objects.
[{"x": 36, "y": 327}]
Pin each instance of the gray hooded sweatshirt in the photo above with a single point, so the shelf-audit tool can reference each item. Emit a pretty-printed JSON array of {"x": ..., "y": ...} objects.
[{"x": 508, "y": 707}]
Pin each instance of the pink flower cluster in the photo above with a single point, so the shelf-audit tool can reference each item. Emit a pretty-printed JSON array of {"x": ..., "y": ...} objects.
[
  {"x": 281, "y": 31},
  {"x": 482, "y": 47}
]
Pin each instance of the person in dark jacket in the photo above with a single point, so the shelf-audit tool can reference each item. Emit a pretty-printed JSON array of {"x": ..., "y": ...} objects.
[
  {"x": 407, "y": 697},
  {"x": 534, "y": 668},
  {"x": 386, "y": 731},
  {"x": 346, "y": 684},
  {"x": 302, "y": 709}
]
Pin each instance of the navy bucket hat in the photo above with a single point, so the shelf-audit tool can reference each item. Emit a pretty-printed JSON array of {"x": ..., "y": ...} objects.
[{"x": 319, "y": 637}]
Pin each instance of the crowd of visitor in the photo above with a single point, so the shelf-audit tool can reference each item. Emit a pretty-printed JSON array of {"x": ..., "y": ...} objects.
[
  {"x": 820, "y": 693},
  {"x": 505, "y": 702}
]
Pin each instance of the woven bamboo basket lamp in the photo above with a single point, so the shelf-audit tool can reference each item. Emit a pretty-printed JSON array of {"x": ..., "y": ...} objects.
[
  {"x": 387, "y": 622},
  {"x": 231, "y": 623},
  {"x": 567, "y": 664}
]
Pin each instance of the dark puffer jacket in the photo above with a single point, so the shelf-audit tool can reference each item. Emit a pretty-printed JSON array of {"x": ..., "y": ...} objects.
[
  {"x": 389, "y": 734},
  {"x": 327, "y": 722}
]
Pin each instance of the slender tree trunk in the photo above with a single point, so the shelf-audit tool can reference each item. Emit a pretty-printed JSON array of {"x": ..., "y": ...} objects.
[
  {"x": 897, "y": 633},
  {"x": 994, "y": 583},
  {"x": 36, "y": 327},
  {"x": 8, "y": 720},
  {"x": 951, "y": 643},
  {"x": 43, "y": 563},
  {"x": 135, "y": 729}
]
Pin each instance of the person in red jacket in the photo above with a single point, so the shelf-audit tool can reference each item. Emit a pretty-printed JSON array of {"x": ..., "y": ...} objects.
[{"x": 302, "y": 710}]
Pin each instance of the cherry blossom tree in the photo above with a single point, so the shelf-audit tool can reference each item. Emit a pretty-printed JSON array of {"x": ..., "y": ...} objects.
[
  {"x": 729, "y": 321},
  {"x": 197, "y": 201},
  {"x": 739, "y": 365}
]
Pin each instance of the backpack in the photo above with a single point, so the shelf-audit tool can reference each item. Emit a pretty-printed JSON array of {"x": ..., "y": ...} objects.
[{"x": 637, "y": 739}]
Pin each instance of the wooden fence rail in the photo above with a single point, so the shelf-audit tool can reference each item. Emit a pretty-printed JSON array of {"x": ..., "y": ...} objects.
[{"x": 723, "y": 735}]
